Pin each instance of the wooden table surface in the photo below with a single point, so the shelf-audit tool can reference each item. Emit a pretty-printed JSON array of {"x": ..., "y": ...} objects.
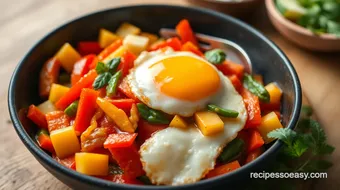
[{"x": 22, "y": 23}]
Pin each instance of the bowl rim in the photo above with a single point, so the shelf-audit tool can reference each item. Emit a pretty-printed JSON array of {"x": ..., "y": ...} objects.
[
  {"x": 41, "y": 156},
  {"x": 230, "y": 2},
  {"x": 272, "y": 10}
]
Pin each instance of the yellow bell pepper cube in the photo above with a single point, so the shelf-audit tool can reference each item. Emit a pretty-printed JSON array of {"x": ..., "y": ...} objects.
[
  {"x": 209, "y": 123},
  {"x": 92, "y": 164},
  {"x": 269, "y": 123},
  {"x": 126, "y": 29},
  {"x": 65, "y": 142},
  {"x": 152, "y": 37},
  {"x": 116, "y": 114},
  {"x": 67, "y": 56},
  {"x": 178, "y": 122},
  {"x": 135, "y": 44},
  {"x": 118, "y": 53},
  {"x": 106, "y": 38},
  {"x": 275, "y": 93},
  {"x": 56, "y": 92}
]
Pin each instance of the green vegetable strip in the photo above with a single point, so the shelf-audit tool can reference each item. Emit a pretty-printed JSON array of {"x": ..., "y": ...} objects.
[
  {"x": 256, "y": 88},
  {"x": 222, "y": 112},
  {"x": 71, "y": 110},
  {"x": 215, "y": 56},
  {"x": 151, "y": 115},
  {"x": 101, "y": 80},
  {"x": 232, "y": 150},
  {"x": 113, "y": 83}
]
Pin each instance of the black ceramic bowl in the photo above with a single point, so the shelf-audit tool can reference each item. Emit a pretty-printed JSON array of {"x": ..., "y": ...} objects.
[{"x": 267, "y": 58}]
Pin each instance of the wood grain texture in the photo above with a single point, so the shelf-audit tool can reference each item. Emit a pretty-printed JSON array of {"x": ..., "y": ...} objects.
[{"x": 22, "y": 23}]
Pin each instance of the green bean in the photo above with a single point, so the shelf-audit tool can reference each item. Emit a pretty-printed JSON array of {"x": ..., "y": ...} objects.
[
  {"x": 215, "y": 56},
  {"x": 222, "y": 112},
  {"x": 232, "y": 150},
  {"x": 151, "y": 115},
  {"x": 113, "y": 83},
  {"x": 71, "y": 110},
  {"x": 256, "y": 88}
]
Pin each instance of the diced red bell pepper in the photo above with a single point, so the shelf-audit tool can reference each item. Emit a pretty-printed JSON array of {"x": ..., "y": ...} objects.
[
  {"x": 123, "y": 179},
  {"x": 174, "y": 43},
  {"x": 145, "y": 130},
  {"x": 110, "y": 49},
  {"x": 267, "y": 107},
  {"x": 253, "y": 155},
  {"x": 120, "y": 140},
  {"x": 57, "y": 120},
  {"x": 223, "y": 169},
  {"x": 236, "y": 83},
  {"x": 252, "y": 104},
  {"x": 88, "y": 47},
  {"x": 37, "y": 116},
  {"x": 255, "y": 140},
  {"x": 45, "y": 142},
  {"x": 128, "y": 160},
  {"x": 124, "y": 104},
  {"x": 185, "y": 31},
  {"x": 126, "y": 63},
  {"x": 86, "y": 109},
  {"x": 124, "y": 88},
  {"x": 48, "y": 75},
  {"x": 189, "y": 46},
  {"x": 74, "y": 93},
  {"x": 107, "y": 124},
  {"x": 229, "y": 68},
  {"x": 81, "y": 67},
  {"x": 68, "y": 162}
]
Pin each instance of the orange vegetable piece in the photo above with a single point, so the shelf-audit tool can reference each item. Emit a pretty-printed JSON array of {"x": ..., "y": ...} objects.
[
  {"x": 255, "y": 140},
  {"x": 74, "y": 93},
  {"x": 37, "y": 116},
  {"x": 86, "y": 109},
  {"x": 109, "y": 49},
  {"x": 252, "y": 104},
  {"x": 126, "y": 63},
  {"x": 253, "y": 155},
  {"x": 185, "y": 31},
  {"x": 45, "y": 142},
  {"x": 125, "y": 89},
  {"x": 82, "y": 67},
  {"x": 236, "y": 83},
  {"x": 189, "y": 46},
  {"x": 48, "y": 75},
  {"x": 57, "y": 120},
  {"x": 230, "y": 68},
  {"x": 223, "y": 169}
]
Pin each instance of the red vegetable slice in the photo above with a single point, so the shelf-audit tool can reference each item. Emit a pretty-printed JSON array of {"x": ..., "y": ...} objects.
[
  {"x": 185, "y": 31},
  {"x": 229, "y": 68},
  {"x": 252, "y": 104},
  {"x": 223, "y": 169},
  {"x": 255, "y": 140},
  {"x": 145, "y": 130},
  {"x": 189, "y": 46},
  {"x": 125, "y": 89},
  {"x": 88, "y": 47},
  {"x": 126, "y": 63},
  {"x": 82, "y": 67},
  {"x": 236, "y": 83},
  {"x": 37, "y": 116},
  {"x": 48, "y": 75},
  {"x": 120, "y": 140},
  {"x": 45, "y": 142},
  {"x": 110, "y": 49},
  {"x": 68, "y": 162},
  {"x": 57, "y": 120}
]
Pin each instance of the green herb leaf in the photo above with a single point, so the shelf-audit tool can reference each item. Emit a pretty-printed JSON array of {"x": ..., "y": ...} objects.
[
  {"x": 101, "y": 68},
  {"x": 215, "y": 56},
  {"x": 112, "y": 84},
  {"x": 256, "y": 88},
  {"x": 113, "y": 64},
  {"x": 101, "y": 80},
  {"x": 307, "y": 111},
  {"x": 284, "y": 134},
  {"x": 297, "y": 149}
]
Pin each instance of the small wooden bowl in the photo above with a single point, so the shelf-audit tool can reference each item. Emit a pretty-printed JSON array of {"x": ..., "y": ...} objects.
[
  {"x": 240, "y": 9},
  {"x": 300, "y": 35}
]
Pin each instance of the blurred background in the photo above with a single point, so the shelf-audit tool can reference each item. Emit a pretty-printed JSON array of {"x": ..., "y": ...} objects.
[{"x": 23, "y": 23}]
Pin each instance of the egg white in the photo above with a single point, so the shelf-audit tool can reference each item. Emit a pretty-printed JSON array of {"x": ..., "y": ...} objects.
[
  {"x": 142, "y": 84},
  {"x": 180, "y": 156}
]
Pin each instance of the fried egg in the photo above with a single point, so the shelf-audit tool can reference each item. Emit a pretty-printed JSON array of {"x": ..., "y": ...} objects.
[
  {"x": 174, "y": 82},
  {"x": 183, "y": 83}
]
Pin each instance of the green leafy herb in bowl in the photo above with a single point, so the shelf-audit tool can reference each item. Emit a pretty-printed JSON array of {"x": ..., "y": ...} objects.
[{"x": 319, "y": 16}]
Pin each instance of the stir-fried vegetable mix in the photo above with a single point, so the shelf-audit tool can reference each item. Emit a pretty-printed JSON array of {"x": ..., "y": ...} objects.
[{"x": 92, "y": 122}]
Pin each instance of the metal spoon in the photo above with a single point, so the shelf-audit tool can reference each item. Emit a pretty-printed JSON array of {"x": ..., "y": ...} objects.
[{"x": 234, "y": 52}]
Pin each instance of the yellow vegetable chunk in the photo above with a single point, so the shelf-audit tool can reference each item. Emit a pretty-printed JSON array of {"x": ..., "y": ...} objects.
[
  {"x": 275, "y": 93},
  {"x": 47, "y": 107},
  {"x": 209, "y": 123},
  {"x": 65, "y": 142},
  {"x": 92, "y": 164},
  {"x": 106, "y": 38},
  {"x": 178, "y": 122},
  {"x": 269, "y": 123},
  {"x": 116, "y": 114},
  {"x": 57, "y": 91},
  {"x": 152, "y": 37},
  {"x": 67, "y": 56},
  {"x": 136, "y": 44},
  {"x": 126, "y": 29},
  {"x": 118, "y": 53}
]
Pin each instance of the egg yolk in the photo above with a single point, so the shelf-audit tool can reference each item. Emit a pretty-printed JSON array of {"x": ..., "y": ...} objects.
[{"x": 185, "y": 78}]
